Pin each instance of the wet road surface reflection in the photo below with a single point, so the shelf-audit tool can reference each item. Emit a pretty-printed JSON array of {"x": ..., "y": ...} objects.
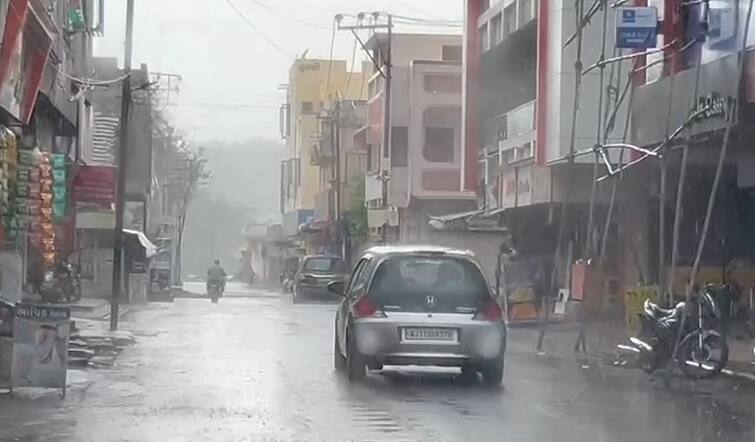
[{"x": 257, "y": 367}]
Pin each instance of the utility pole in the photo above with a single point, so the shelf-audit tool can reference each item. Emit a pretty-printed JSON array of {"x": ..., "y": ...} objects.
[
  {"x": 383, "y": 65},
  {"x": 387, "y": 127},
  {"x": 337, "y": 152},
  {"x": 121, "y": 165}
]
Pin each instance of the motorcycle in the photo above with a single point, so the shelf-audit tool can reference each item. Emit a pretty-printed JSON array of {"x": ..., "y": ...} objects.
[
  {"x": 287, "y": 282},
  {"x": 702, "y": 353},
  {"x": 50, "y": 289},
  {"x": 70, "y": 280},
  {"x": 214, "y": 290}
]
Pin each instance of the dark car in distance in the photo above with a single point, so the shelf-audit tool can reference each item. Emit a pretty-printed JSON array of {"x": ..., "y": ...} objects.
[{"x": 314, "y": 274}]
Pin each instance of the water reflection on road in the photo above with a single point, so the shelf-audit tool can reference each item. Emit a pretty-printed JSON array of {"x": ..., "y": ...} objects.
[{"x": 257, "y": 367}]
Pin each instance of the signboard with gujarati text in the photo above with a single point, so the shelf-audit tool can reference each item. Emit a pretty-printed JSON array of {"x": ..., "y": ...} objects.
[{"x": 40, "y": 350}]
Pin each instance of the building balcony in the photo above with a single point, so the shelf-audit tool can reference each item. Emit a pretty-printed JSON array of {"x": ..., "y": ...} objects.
[
  {"x": 510, "y": 131},
  {"x": 503, "y": 19},
  {"x": 320, "y": 154}
]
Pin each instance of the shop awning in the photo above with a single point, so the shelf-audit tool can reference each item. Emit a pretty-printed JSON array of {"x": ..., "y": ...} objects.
[
  {"x": 149, "y": 249},
  {"x": 315, "y": 226},
  {"x": 473, "y": 221}
]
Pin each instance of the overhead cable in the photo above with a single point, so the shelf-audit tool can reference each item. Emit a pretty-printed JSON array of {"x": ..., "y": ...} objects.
[
  {"x": 288, "y": 16},
  {"x": 256, "y": 30}
]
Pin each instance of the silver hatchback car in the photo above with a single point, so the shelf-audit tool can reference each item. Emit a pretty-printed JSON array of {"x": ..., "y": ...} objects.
[{"x": 415, "y": 305}]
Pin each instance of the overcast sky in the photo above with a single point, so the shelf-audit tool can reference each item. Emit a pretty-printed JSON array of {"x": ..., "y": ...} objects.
[{"x": 231, "y": 74}]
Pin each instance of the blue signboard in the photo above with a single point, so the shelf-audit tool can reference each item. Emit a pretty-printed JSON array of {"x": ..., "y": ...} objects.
[{"x": 636, "y": 27}]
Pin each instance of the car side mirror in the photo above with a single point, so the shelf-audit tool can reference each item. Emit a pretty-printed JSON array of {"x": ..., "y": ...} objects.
[{"x": 337, "y": 287}]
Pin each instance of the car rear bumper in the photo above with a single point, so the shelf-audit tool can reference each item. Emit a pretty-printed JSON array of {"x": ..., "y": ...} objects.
[
  {"x": 477, "y": 343},
  {"x": 315, "y": 291}
]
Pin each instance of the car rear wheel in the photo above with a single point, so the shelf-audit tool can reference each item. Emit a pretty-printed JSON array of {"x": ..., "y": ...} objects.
[
  {"x": 492, "y": 373},
  {"x": 355, "y": 364}
]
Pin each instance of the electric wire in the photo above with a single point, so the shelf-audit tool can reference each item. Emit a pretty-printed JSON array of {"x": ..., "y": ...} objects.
[
  {"x": 578, "y": 6},
  {"x": 351, "y": 69},
  {"x": 588, "y": 250},
  {"x": 257, "y": 31},
  {"x": 288, "y": 16},
  {"x": 330, "y": 57},
  {"x": 411, "y": 7}
]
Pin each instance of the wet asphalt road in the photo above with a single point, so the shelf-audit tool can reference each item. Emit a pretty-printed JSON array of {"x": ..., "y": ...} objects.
[{"x": 257, "y": 367}]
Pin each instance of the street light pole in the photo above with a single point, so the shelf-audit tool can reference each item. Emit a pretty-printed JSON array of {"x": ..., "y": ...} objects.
[{"x": 121, "y": 165}]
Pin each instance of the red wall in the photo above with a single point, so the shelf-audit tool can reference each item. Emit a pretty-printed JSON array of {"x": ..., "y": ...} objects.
[{"x": 472, "y": 124}]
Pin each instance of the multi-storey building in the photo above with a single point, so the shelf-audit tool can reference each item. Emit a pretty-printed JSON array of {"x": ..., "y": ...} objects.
[
  {"x": 314, "y": 86},
  {"x": 423, "y": 167},
  {"x": 519, "y": 87}
]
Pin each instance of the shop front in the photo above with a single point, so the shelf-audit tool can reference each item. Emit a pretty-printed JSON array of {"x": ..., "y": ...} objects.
[{"x": 730, "y": 241}]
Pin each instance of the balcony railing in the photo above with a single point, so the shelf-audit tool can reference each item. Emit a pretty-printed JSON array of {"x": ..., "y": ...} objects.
[
  {"x": 509, "y": 130},
  {"x": 320, "y": 154}
]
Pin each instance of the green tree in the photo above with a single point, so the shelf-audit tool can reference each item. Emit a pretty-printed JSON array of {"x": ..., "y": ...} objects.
[{"x": 358, "y": 227}]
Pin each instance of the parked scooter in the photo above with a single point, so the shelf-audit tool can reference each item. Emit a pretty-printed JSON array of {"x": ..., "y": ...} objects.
[
  {"x": 703, "y": 352},
  {"x": 61, "y": 285}
]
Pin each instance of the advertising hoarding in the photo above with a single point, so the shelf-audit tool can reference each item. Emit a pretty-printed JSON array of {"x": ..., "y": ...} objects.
[{"x": 40, "y": 350}]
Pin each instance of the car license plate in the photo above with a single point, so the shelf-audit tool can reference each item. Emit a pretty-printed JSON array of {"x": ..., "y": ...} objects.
[{"x": 429, "y": 334}]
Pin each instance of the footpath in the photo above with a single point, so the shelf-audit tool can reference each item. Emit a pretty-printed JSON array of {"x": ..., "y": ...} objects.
[
  {"x": 602, "y": 339},
  {"x": 92, "y": 344}
]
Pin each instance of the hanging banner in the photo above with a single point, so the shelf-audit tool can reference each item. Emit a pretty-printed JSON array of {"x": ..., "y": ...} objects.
[{"x": 40, "y": 350}]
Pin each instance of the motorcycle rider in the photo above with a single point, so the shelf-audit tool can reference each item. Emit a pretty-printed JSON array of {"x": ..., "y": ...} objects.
[{"x": 216, "y": 273}]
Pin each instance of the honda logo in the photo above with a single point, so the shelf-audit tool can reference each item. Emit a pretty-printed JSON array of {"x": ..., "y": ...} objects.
[{"x": 430, "y": 300}]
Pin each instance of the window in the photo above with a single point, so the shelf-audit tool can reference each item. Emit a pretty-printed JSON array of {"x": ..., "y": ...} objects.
[
  {"x": 484, "y": 38},
  {"x": 399, "y": 146},
  {"x": 509, "y": 19},
  {"x": 451, "y": 53},
  {"x": 495, "y": 30},
  {"x": 429, "y": 283},
  {"x": 373, "y": 158},
  {"x": 526, "y": 11},
  {"x": 358, "y": 270},
  {"x": 369, "y": 158},
  {"x": 307, "y": 107},
  {"x": 442, "y": 84},
  {"x": 439, "y": 144}
]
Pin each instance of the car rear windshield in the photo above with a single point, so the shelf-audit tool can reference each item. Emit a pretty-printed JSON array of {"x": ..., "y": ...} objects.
[
  {"x": 429, "y": 284},
  {"x": 323, "y": 265}
]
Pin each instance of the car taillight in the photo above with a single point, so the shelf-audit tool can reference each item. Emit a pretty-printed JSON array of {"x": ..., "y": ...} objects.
[
  {"x": 491, "y": 311},
  {"x": 365, "y": 308}
]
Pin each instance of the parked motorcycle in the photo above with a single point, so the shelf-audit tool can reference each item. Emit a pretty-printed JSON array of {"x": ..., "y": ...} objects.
[
  {"x": 703, "y": 352},
  {"x": 214, "y": 290},
  {"x": 50, "y": 289}
]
